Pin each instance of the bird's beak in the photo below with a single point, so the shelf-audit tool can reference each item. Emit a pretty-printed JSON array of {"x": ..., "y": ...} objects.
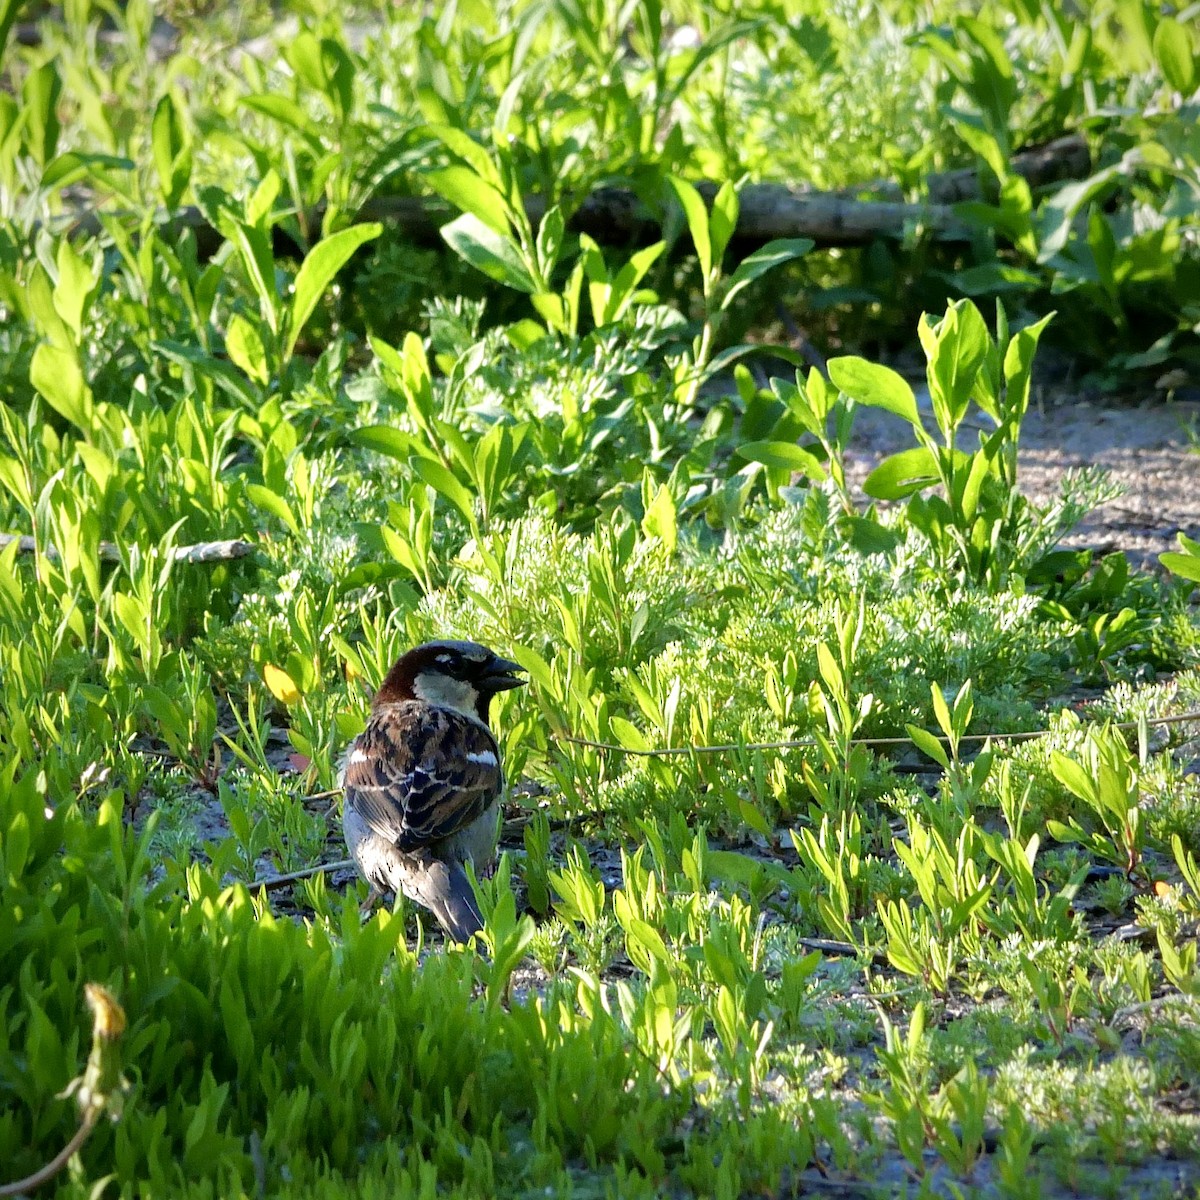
[{"x": 500, "y": 677}]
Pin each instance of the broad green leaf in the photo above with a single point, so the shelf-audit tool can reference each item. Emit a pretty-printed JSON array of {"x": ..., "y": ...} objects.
[
  {"x": 286, "y": 112},
  {"x": 767, "y": 258},
  {"x": 316, "y": 273},
  {"x": 460, "y": 143},
  {"x": 191, "y": 358},
  {"x": 1186, "y": 566},
  {"x": 660, "y": 520},
  {"x": 254, "y": 249},
  {"x": 131, "y": 615},
  {"x": 465, "y": 190},
  {"x": 13, "y": 478},
  {"x": 275, "y": 504},
  {"x": 928, "y": 744},
  {"x": 1174, "y": 55},
  {"x": 280, "y": 684},
  {"x": 628, "y": 734},
  {"x": 722, "y": 220},
  {"x": 57, "y": 376},
  {"x": 401, "y": 550},
  {"x": 956, "y": 348},
  {"x": 172, "y": 152},
  {"x": 875, "y": 385},
  {"x": 40, "y": 95},
  {"x": 697, "y": 220},
  {"x": 445, "y": 484},
  {"x": 76, "y": 282},
  {"x": 870, "y": 537},
  {"x": 785, "y": 456},
  {"x": 497, "y": 257},
  {"x": 9, "y": 9},
  {"x": 1057, "y": 215},
  {"x": 981, "y": 465},
  {"x": 245, "y": 348},
  {"x": 1074, "y": 777},
  {"x": 260, "y": 207},
  {"x": 902, "y": 474},
  {"x": 1018, "y": 367}
]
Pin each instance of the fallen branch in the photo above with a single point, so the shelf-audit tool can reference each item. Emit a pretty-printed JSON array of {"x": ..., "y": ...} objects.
[
  {"x": 1053, "y": 162},
  {"x": 202, "y": 552},
  {"x": 768, "y": 210}
]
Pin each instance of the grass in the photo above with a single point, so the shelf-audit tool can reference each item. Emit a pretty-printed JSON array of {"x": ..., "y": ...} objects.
[{"x": 933, "y": 966}]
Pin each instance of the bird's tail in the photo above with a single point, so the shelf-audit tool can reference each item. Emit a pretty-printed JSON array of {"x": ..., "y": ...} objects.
[{"x": 446, "y": 891}]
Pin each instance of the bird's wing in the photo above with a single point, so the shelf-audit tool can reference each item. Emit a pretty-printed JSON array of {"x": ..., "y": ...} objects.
[{"x": 418, "y": 774}]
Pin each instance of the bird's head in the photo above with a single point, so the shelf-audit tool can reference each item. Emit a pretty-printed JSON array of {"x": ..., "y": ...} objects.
[{"x": 459, "y": 675}]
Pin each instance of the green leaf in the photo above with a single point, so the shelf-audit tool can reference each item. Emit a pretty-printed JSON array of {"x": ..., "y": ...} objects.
[
  {"x": 1065, "y": 833},
  {"x": 722, "y": 220},
  {"x": 628, "y": 734},
  {"x": 245, "y": 348},
  {"x": 39, "y": 95},
  {"x": 57, "y": 376},
  {"x": 786, "y": 456},
  {"x": 324, "y": 261},
  {"x": 1186, "y": 566},
  {"x": 13, "y": 478},
  {"x": 192, "y": 358},
  {"x": 1173, "y": 53},
  {"x": 461, "y": 144},
  {"x": 76, "y": 282},
  {"x": 384, "y": 439},
  {"x": 697, "y": 220},
  {"x": 875, "y": 385},
  {"x": 928, "y": 744},
  {"x": 445, "y": 484},
  {"x": 767, "y": 258},
  {"x": 660, "y": 519},
  {"x": 902, "y": 474},
  {"x": 1074, "y": 778},
  {"x": 287, "y": 112},
  {"x": 276, "y": 505},
  {"x": 497, "y": 257},
  {"x": 172, "y": 151},
  {"x": 465, "y": 190},
  {"x": 254, "y": 249},
  {"x": 870, "y": 537}
]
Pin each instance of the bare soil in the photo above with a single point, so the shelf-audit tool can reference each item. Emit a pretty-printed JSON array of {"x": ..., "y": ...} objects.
[{"x": 1145, "y": 447}]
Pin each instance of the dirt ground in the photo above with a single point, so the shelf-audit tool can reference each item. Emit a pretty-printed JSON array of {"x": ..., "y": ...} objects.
[{"x": 1145, "y": 447}]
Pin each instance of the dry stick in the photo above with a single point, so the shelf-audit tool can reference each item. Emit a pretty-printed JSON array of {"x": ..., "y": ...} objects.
[
  {"x": 201, "y": 552},
  {"x": 804, "y": 743}
]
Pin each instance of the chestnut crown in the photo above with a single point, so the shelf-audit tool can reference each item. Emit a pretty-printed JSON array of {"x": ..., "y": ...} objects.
[{"x": 453, "y": 674}]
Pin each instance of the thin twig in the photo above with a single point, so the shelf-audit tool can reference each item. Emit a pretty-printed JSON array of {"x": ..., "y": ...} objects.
[
  {"x": 804, "y": 743},
  {"x": 279, "y": 880},
  {"x": 1153, "y": 1006},
  {"x": 201, "y": 552}
]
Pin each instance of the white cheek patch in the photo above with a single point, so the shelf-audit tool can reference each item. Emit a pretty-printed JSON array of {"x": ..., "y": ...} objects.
[
  {"x": 485, "y": 758},
  {"x": 356, "y": 756},
  {"x": 435, "y": 688}
]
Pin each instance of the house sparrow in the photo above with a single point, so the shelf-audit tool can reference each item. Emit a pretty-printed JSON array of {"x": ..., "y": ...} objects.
[{"x": 423, "y": 779}]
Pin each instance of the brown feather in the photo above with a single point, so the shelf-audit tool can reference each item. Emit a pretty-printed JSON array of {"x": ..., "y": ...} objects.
[{"x": 420, "y": 773}]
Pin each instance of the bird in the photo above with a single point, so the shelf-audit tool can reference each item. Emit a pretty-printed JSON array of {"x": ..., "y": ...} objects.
[{"x": 423, "y": 780}]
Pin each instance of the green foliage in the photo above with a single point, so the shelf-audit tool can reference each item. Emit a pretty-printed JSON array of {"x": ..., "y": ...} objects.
[{"x": 601, "y": 480}]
